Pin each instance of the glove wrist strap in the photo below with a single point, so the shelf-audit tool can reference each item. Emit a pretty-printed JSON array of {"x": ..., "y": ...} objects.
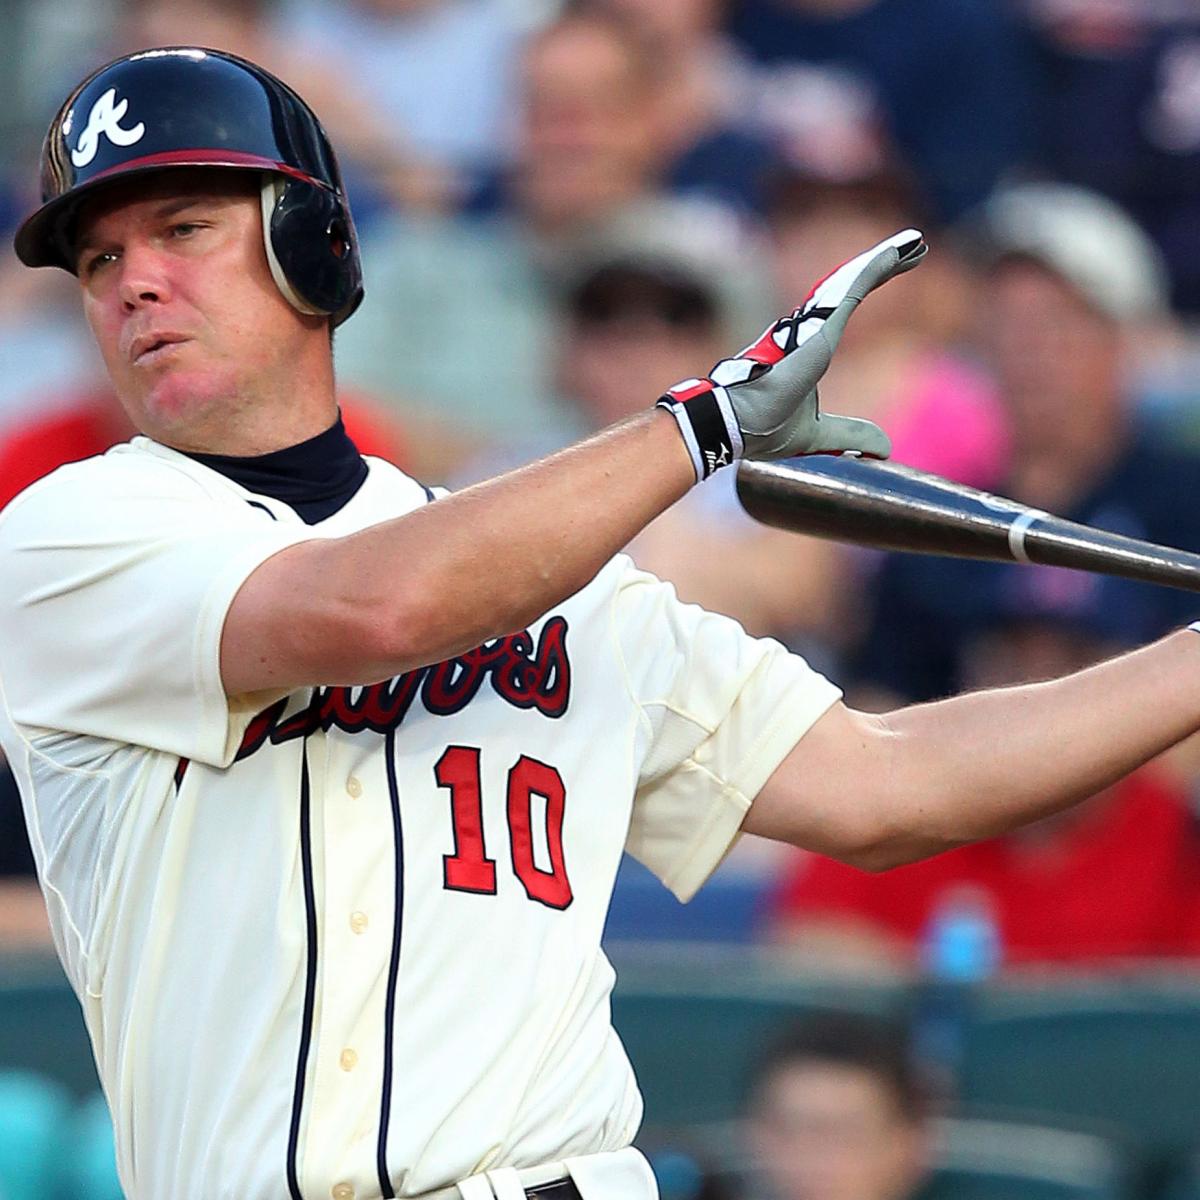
[{"x": 708, "y": 426}]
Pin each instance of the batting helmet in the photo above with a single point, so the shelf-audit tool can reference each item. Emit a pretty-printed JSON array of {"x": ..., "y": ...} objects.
[{"x": 183, "y": 106}]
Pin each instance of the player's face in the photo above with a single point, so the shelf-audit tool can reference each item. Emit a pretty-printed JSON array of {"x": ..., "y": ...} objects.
[{"x": 178, "y": 293}]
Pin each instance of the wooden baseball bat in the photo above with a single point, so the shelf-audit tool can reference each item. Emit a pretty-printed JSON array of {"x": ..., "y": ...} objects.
[{"x": 893, "y": 507}]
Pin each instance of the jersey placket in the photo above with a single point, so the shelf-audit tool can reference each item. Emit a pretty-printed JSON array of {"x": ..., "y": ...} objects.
[{"x": 356, "y": 887}]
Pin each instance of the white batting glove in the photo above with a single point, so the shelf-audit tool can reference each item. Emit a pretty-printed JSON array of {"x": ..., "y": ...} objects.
[{"x": 763, "y": 403}]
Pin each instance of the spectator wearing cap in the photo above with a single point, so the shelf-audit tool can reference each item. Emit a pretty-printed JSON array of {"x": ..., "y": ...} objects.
[
  {"x": 1068, "y": 285},
  {"x": 636, "y": 321},
  {"x": 899, "y": 369}
]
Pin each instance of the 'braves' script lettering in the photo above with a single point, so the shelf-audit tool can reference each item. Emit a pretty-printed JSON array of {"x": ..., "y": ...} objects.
[{"x": 524, "y": 675}]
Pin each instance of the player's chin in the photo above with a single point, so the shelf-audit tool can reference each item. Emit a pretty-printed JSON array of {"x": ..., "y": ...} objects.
[{"x": 178, "y": 396}]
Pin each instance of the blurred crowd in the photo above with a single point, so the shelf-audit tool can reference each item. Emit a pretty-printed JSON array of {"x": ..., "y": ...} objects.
[{"x": 567, "y": 207}]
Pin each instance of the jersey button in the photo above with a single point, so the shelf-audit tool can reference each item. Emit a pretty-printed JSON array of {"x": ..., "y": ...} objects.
[
  {"x": 349, "y": 1060},
  {"x": 358, "y": 921},
  {"x": 353, "y": 787},
  {"x": 343, "y": 1191}
]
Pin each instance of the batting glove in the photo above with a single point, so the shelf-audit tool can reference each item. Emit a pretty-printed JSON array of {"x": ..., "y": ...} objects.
[{"x": 763, "y": 403}]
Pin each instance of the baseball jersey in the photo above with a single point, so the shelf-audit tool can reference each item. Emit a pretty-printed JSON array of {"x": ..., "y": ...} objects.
[{"x": 345, "y": 941}]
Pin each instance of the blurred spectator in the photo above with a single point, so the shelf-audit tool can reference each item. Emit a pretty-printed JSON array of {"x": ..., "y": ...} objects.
[
  {"x": 1069, "y": 283},
  {"x": 437, "y": 76},
  {"x": 954, "y": 77},
  {"x": 838, "y": 1112},
  {"x": 1120, "y": 112},
  {"x": 459, "y": 313},
  {"x": 708, "y": 132},
  {"x": 1115, "y": 881},
  {"x": 895, "y": 366}
]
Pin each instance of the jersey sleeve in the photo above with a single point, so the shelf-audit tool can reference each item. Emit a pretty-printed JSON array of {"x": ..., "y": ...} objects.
[
  {"x": 719, "y": 711},
  {"x": 115, "y": 580}
]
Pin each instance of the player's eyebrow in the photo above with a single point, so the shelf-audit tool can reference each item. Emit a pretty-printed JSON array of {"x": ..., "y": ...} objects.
[{"x": 170, "y": 207}]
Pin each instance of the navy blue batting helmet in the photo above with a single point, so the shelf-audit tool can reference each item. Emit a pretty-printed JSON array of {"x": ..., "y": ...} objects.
[{"x": 184, "y": 106}]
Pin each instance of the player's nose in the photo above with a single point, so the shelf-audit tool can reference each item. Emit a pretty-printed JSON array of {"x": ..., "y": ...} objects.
[{"x": 144, "y": 276}]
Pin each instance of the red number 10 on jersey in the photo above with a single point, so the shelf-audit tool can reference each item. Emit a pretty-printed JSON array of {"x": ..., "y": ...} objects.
[{"x": 469, "y": 869}]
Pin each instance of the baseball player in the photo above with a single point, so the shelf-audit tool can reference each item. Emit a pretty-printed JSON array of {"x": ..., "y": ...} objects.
[{"x": 328, "y": 778}]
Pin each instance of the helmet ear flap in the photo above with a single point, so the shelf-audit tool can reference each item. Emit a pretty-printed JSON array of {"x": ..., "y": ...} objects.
[
  {"x": 310, "y": 243},
  {"x": 269, "y": 194}
]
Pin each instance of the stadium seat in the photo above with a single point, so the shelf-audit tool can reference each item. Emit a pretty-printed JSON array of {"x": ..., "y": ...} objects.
[
  {"x": 693, "y": 1029},
  {"x": 1123, "y": 1054},
  {"x": 729, "y": 908},
  {"x": 992, "y": 1160},
  {"x": 34, "y": 1112}
]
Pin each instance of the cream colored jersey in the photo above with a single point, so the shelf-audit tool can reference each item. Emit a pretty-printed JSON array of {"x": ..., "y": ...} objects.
[{"x": 346, "y": 941}]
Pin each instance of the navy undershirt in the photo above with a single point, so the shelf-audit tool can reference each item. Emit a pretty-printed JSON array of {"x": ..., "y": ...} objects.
[{"x": 315, "y": 478}]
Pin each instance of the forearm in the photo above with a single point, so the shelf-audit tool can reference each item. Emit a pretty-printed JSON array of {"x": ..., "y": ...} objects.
[
  {"x": 985, "y": 763},
  {"x": 492, "y": 558},
  {"x": 879, "y": 791}
]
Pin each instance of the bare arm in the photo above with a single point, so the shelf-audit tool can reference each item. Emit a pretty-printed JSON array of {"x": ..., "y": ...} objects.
[
  {"x": 441, "y": 580},
  {"x": 880, "y": 791}
]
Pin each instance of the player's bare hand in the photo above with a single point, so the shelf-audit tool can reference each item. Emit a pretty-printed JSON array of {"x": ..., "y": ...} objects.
[{"x": 763, "y": 403}]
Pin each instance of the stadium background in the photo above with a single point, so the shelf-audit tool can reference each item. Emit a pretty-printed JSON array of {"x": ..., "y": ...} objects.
[{"x": 564, "y": 210}]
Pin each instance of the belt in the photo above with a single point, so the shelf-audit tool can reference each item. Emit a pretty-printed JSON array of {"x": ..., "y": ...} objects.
[{"x": 558, "y": 1189}]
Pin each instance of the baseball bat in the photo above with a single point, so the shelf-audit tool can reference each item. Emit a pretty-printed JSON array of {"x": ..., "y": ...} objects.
[{"x": 893, "y": 507}]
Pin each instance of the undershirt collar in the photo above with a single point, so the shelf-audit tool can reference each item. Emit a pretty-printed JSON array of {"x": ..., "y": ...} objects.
[{"x": 315, "y": 478}]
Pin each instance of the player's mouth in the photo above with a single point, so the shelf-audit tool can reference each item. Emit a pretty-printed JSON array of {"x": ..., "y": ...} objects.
[{"x": 151, "y": 348}]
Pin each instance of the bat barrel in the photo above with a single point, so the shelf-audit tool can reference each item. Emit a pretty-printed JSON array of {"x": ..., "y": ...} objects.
[
  {"x": 870, "y": 505},
  {"x": 892, "y": 507}
]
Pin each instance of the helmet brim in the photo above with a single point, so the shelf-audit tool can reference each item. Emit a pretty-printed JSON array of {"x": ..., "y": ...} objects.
[{"x": 42, "y": 239}]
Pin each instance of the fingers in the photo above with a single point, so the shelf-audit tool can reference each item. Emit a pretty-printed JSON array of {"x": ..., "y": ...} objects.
[
  {"x": 862, "y": 274},
  {"x": 832, "y": 434},
  {"x": 893, "y": 256}
]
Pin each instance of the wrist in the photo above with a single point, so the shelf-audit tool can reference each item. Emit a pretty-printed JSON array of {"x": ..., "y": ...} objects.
[{"x": 707, "y": 424}]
